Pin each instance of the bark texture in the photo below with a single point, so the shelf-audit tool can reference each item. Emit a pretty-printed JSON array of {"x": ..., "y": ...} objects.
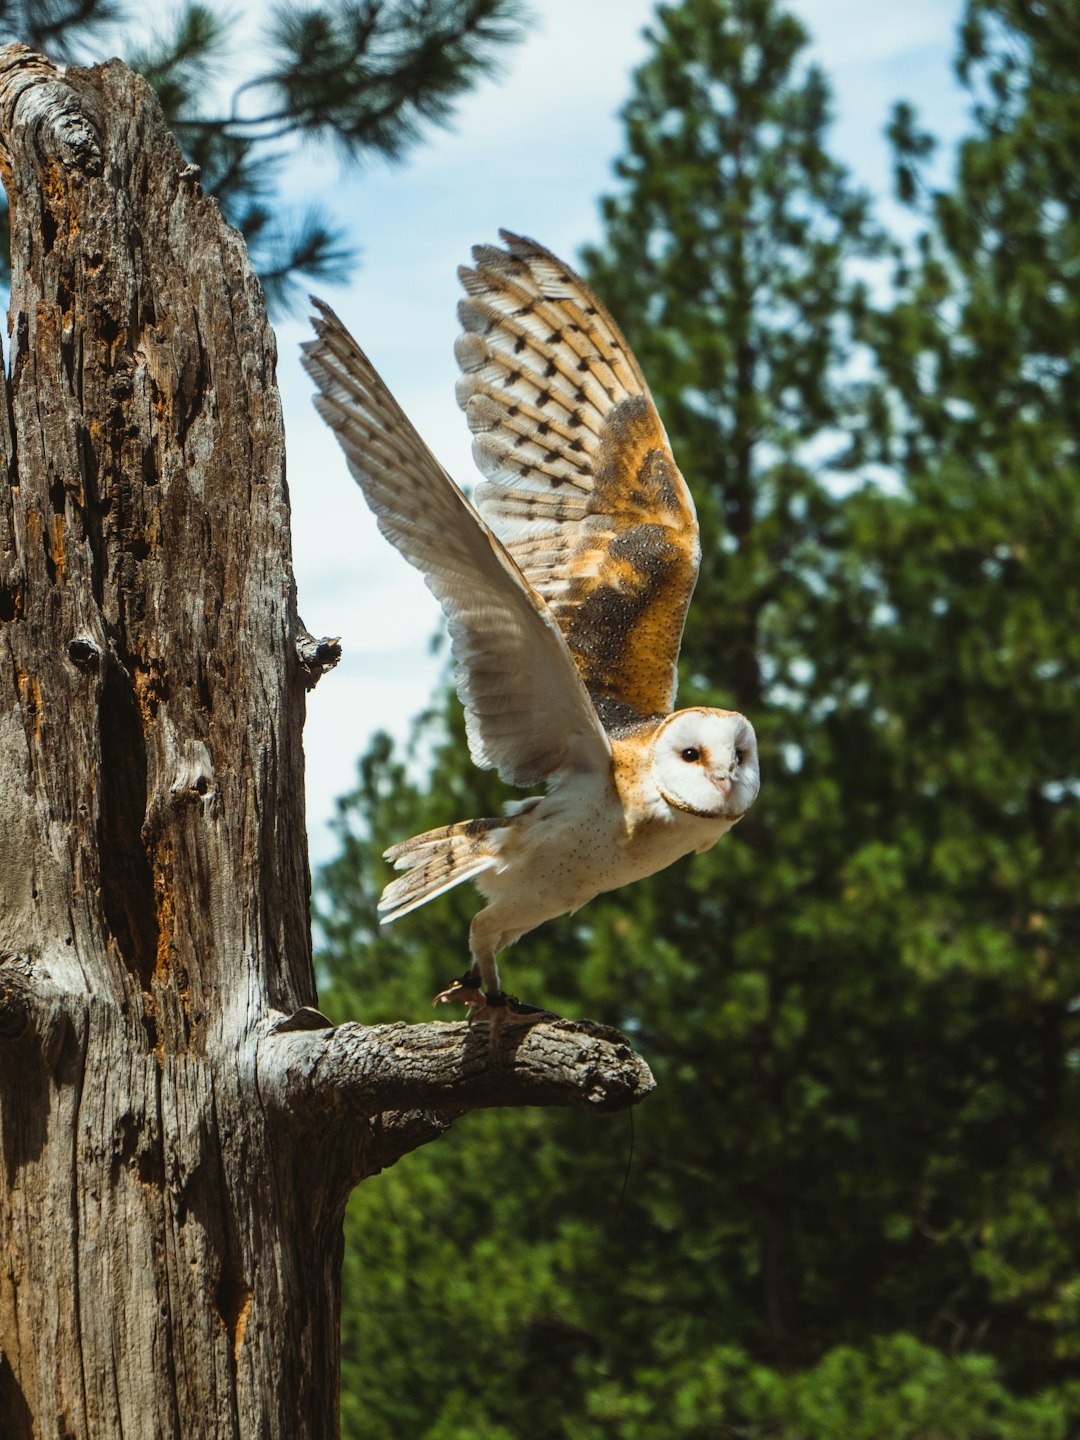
[{"x": 179, "y": 1126}]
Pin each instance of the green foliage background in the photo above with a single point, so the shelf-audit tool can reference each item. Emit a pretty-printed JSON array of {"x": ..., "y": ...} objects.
[{"x": 853, "y": 1209}]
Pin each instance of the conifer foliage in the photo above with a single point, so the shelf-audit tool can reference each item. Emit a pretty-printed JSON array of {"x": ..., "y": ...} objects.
[
  {"x": 361, "y": 77},
  {"x": 852, "y": 1212}
]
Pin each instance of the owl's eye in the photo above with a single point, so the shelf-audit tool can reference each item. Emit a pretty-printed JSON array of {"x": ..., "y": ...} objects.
[
  {"x": 691, "y": 755},
  {"x": 739, "y": 757}
]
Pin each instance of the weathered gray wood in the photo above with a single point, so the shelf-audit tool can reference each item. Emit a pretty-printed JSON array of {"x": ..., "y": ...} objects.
[
  {"x": 179, "y": 1128},
  {"x": 362, "y": 1070}
]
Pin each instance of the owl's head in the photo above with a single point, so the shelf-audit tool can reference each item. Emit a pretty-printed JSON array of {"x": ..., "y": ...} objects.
[{"x": 706, "y": 762}]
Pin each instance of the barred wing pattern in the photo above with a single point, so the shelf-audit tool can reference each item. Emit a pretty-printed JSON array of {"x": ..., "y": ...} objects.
[
  {"x": 527, "y": 712},
  {"x": 581, "y": 485}
]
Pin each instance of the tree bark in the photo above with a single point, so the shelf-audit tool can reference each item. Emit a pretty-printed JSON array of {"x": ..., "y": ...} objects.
[{"x": 180, "y": 1128}]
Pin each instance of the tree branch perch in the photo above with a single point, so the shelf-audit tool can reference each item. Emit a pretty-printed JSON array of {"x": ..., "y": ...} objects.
[{"x": 450, "y": 1069}]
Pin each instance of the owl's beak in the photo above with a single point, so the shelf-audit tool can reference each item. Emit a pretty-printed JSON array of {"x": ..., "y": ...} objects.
[{"x": 723, "y": 783}]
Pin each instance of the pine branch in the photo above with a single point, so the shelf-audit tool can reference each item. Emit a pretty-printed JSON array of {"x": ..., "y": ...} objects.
[{"x": 360, "y": 75}]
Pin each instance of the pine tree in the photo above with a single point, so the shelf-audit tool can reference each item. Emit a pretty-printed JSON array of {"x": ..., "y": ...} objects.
[
  {"x": 979, "y": 666},
  {"x": 851, "y": 1211},
  {"x": 360, "y": 77}
]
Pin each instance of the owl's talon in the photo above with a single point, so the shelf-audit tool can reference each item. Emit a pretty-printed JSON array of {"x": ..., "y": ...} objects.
[
  {"x": 504, "y": 1011},
  {"x": 509, "y": 1010},
  {"x": 466, "y": 989},
  {"x": 495, "y": 1006}
]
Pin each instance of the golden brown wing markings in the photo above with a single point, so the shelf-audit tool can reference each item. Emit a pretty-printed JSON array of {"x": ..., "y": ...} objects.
[
  {"x": 552, "y": 313},
  {"x": 623, "y": 618},
  {"x": 580, "y": 483}
]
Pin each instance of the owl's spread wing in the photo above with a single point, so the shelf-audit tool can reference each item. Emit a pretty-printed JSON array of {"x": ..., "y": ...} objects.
[
  {"x": 527, "y": 712},
  {"x": 581, "y": 485}
]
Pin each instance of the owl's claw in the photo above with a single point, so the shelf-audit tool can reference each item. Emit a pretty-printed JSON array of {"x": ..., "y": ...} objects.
[
  {"x": 503, "y": 1009},
  {"x": 499, "y": 1008},
  {"x": 467, "y": 989}
]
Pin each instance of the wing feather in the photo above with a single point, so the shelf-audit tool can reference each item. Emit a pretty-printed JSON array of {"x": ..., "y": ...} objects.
[
  {"x": 527, "y": 711},
  {"x": 580, "y": 483}
]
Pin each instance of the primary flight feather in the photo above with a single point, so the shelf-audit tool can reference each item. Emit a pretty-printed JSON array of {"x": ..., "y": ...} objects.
[{"x": 565, "y": 590}]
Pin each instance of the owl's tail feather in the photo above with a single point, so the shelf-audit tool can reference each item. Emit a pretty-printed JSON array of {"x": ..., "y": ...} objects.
[{"x": 437, "y": 861}]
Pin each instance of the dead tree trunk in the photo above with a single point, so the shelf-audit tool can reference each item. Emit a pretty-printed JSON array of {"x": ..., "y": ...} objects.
[{"x": 179, "y": 1131}]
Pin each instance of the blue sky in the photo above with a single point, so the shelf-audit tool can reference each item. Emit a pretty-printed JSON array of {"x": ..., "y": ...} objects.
[{"x": 530, "y": 151}]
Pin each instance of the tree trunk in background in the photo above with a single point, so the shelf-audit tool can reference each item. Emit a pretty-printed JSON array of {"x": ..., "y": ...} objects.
[{"x": 180, "y": 1129}]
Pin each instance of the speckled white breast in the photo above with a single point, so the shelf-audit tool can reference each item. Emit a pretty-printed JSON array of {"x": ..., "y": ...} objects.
[{"x": 580, "y": 841}]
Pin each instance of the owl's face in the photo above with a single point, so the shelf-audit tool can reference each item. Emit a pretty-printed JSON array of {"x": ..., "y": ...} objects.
[{"x": 706, "y": 762}]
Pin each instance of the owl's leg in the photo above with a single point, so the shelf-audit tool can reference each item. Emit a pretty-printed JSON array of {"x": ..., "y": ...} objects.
[{"x": 480, "y": 988}]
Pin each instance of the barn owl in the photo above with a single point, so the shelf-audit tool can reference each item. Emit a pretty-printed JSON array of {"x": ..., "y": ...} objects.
[{"x": 565, "y": 589}]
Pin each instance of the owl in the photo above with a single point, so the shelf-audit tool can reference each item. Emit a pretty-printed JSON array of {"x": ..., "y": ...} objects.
[{"x": 565, "y": 589}]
